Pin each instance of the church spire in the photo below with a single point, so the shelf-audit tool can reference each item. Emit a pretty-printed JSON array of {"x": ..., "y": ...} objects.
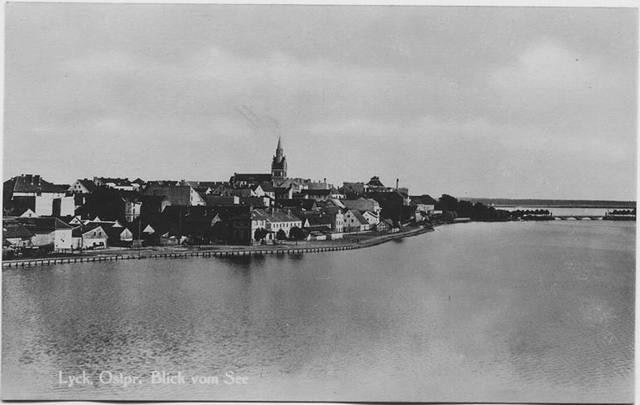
[{"x": 279, "y": 164}]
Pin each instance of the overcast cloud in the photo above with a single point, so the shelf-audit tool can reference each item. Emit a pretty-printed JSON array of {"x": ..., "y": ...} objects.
[{"x": 499, "y": 102}]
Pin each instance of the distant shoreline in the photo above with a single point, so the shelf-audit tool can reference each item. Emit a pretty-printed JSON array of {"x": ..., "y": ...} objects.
[{"x": 542, "y": 203}]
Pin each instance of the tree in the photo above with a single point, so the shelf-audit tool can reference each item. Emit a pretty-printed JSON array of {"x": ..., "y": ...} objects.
[
  {"x": 447, "y": 203},
  {"x": 260, "y": 234},
  {"x": 297, "y": 233},
  {"x": 281, "y": 235}
]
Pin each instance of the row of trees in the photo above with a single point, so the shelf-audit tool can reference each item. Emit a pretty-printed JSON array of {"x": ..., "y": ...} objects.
[
  {"x": 295, "y": 233},
  {"x": 453, "y": 208}
]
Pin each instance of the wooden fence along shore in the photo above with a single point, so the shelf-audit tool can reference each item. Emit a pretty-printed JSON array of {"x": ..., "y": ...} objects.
[{"x": 211, "y": 253}]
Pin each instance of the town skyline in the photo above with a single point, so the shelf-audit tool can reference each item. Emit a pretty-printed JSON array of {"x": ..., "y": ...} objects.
[{"x": 434, "y": 96}]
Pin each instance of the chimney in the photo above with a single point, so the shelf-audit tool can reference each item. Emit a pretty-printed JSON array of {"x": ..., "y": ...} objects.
[{"x": 397, "y": 181}]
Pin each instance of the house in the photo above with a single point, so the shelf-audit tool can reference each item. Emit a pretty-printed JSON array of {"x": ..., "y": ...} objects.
[
  {"x": 386, "y": 225},
  {"x": 316, "y": 194},
  {"x": 138, "y": 184},
  {"x": 83, "y": 186},
  {"x": 268, "y": 189},
  {"x": 283, "y": 193},
  {"x": 317, "y": 222},
  {"x": 305, "y": 204},
  {"x": 374, "y": 184},
  {"x": 371, "y": 217},
  {"x": 355, "y": 222},
  {"x": 257, "y": 202},
  {"x": 363, "y": 204},
  {"x": 49, "y": 232},
  {"x": 217, "y": 200},
  {"x": 20, "y": 207},
  {"x": 44, "y": 198},
  {"x": 352, "y": 189},
  {"x": 247, "y": 179},
  {"x": 115, "y": 183},
  {"x": 336, "y": 215},
  {"x": 90, "y": 236},
  {"x": 119, "y": 236},
  {"x": 16, "y": 234},
  {"x": 393, "y": 206},
  {"x": 176, "y": 194},
  {"x": 132, "y": 206},
  {"x": 273, "y": 221}
]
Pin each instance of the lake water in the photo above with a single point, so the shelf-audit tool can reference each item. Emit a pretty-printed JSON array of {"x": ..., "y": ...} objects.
[{"x": 471, "y": 312}]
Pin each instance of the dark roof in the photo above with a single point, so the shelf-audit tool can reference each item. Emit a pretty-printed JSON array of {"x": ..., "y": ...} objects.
[
  {"x": 177, "y": 195},
  {"x": 375, "y": 182},
  {"x": 114, "y": 232},
  {"x": 116, "y": 180},
  {"x": 44, "y": 224},
  {"x": 275, "y": 215},
  {"x": 88, "y": 184},
  {"x": 257, "y": 202},
  {"x": 251, "y": 177},
  {"x": 319, "y": 220},
  {"x": 267, "y": 187},
  {"x": 11, "y": 229},
  {"x": 80, "y": 230},
  {"x": 359, "y": 216},
  {"x": 307, "y": 204},
  {"x": 318, "y": 191},
  {"x": 19, "y": 205},
  {"x": 33, "y": 183},
  {"x": 423, "y": 199},
  {"x": 215, "y": 200}
]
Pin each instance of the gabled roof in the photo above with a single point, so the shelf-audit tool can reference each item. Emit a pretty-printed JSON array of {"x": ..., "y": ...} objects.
[
  {"x": 274, "y": 215},
  {"x": 375, "y": 182},
  {"x": 11, "y": 229},
  {"x": 307, "y": 204},
  {"x": 317, "y": 191},
  {"x": 251, "y": 177},
  {"x": 88, "y": 184},
  {"x": 267, "y": 187},
  {"x": 43, "y": 224},
  {"x": 33, "y": 183},
  {"x": 82, "y": 229},
  {"x": 357, "y": 215}
]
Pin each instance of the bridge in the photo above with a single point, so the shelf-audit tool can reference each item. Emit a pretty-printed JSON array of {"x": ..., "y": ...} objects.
[{"x": 578, "y": 217}]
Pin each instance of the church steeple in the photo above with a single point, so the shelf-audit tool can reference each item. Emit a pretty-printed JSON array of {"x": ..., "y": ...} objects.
[{"x": 279, "y": 164}]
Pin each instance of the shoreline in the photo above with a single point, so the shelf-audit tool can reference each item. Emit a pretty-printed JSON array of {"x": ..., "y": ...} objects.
[{"x": 160, "y": 252}]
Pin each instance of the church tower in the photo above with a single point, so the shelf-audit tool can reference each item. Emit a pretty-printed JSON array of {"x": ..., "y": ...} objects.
[{"x": 279, "y": 164}]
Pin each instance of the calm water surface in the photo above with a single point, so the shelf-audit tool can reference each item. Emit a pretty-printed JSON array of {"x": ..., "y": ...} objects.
[{"x": 472, "y": 312}]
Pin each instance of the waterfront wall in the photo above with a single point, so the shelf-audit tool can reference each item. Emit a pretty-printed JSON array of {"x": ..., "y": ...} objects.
[{"x": 212, "y": 253}]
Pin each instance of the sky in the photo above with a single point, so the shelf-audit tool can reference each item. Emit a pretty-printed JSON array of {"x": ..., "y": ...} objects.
[{"x": 516, "y": 102}]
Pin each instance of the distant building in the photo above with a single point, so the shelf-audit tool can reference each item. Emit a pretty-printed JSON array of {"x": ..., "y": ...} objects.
[
  {"x": 116, "y": 183},
  {"x": 83, "y": 186},
  {"x": 363, "y": 204},
  {"x": 49, "y": 232},
  {"x": 43, "y": 198},
  {"x": 16, "y": 234},
  {"x": 176, "y": 194},
  {"x": 248, "y": 179},
  {"x": 90, "y": 236},
  {"x": 355, "y": 222}
]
